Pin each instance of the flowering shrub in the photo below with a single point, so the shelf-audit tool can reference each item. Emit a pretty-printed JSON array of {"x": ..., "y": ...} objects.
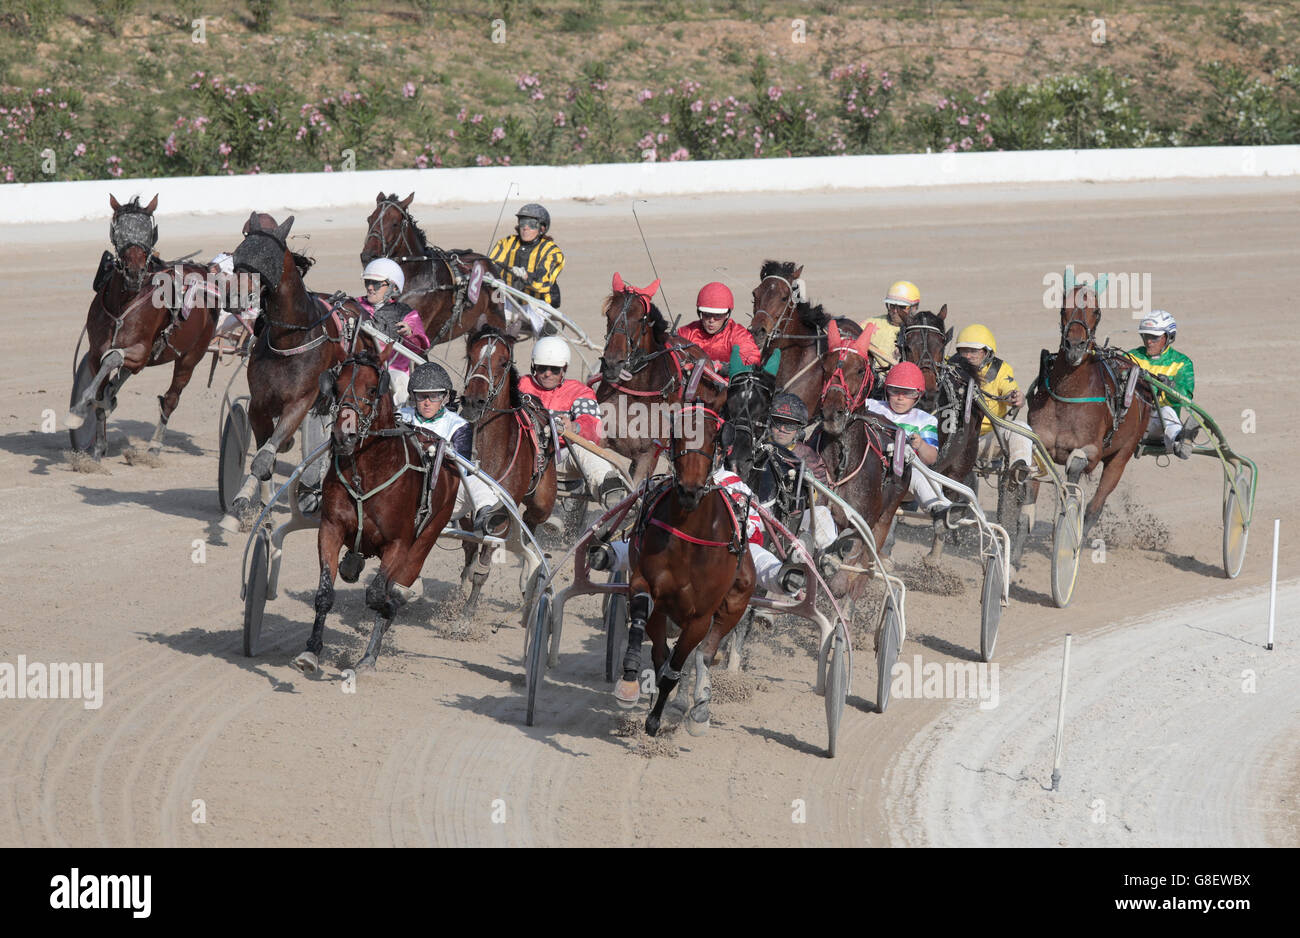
[
  {"x": 45, "y": 119},
  {"x": 864, "y": 102},
  {"x": 1241, "y": 110},
  {"x": 1091, "y": 110},
  {"x": 957, "y": 122}
]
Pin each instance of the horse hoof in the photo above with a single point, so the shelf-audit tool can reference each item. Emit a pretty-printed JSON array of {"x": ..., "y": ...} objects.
[
  {"x": 307, "y": 663},
  {"x": 627, "y": 694},
  {"x": 697, "y": 728},
  {"x": 365, "y": 665},
  {"x": 263, "y": 465},
  {"x": 652, "y": 725},
  {"x": 73, "y": 421}
]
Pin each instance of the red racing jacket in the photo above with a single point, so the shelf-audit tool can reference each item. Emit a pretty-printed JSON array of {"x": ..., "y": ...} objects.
[
  {"x": 718, "y": 347},
  {"x": 573, "y": 398}
]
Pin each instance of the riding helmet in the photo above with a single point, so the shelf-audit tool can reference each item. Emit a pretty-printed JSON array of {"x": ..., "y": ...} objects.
[
  {"x": 715, "y": 298},
  {"x": 903, "y": 293},
  {"x": 787, "y": 406},
  {"x": 533, "y": 210},
  {"x": 977, "y": 336},
  {"x": 429, "y": 377},
  {"x": 906, "y": 375},
  {"x": 385, "y": 268}
]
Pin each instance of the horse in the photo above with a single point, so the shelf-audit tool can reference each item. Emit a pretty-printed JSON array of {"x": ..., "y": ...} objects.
[
  {"x": 784, "y": 319},
  {"x": 688, "y": 561},
  {"x": 647, "y": 364},
  {"x": 509, "y": 434},
  {"x": 442, "y": 286},
  {"x": 922, "y": 340},
  {"x": 144, "y": 313},
  {"x": 856, "y": 448},
  {"x": 373, "y": 501},
  {"x": 298, "y": 336},
  {"x": 1082, "y": 405}
]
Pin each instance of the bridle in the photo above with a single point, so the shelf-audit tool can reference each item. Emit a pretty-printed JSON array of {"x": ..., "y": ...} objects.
[
  {"x": 126, "y": 231},
  {"x": 637, "y": 357},
  {"x": 837, "y": 381},
  {"x": 675, "y": 450},
  {"x": 376, "y": 231},
  {"x": 495, "y": 385},
  {"x": 1090, "y": 332},
  {"x": 349, "y": 399},
  {"x": 926, "y": 360},
  {"x": 790, "y": 305}
]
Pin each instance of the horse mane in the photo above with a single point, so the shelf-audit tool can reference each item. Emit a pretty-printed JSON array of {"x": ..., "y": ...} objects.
[
  {"x": 784, "y": 269},
  {"x": 302, "y": 262},
  {"x": 131, "y": 206},
  {"x": 814, "y": 317}
]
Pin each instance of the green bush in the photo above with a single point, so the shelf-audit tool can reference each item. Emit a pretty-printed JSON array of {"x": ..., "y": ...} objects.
[
  {"x": 1244, "y": 111},
  {"x": 1089, "y": 110}
]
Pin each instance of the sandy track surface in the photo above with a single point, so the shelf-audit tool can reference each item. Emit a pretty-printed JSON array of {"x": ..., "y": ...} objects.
[{"x": 432, "y": 748}]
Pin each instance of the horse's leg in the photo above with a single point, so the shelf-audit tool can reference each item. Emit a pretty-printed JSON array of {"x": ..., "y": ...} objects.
[
  {"x": 76, "y": 415},
  {"x": 1113, "y": 467},
  {"x": 670, "y": 670},
  {"x": 936, "y": 548},
  {"x": 329, "y": 541},
  {"x": 249, "y": 496},
  {"x": 641, "y": 612},
  {"x": 181, "y": 374},
  {"x": 264, "y": 462}
]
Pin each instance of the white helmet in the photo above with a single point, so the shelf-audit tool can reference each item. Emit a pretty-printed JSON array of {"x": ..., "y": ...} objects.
[
  {"x": 385, "y": 268},
  {"x": 551, "y": 350},
  {"x": 1158, "y": 323}
]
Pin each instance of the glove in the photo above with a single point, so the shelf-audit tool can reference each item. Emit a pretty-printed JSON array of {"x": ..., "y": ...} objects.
[{"x": 519, "y": 272}]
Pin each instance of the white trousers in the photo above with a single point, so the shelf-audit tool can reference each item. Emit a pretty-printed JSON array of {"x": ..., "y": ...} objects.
[
  {"x": 1173, "y": 424},
  {"x": 397, "y": 384},
  {"x": 928, "y": 495},
  {"x": 819, "y": 520},
  {"x": 472, "y": 495},
  {"x": 1018, "y": 446},
  {"x": 766, "y": 565},
  {"x": 593, "y": 467}
]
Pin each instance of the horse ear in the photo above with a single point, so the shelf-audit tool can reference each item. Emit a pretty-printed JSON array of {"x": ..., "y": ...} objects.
[
  {"x": 773, "y": 364},
  {"x": 833, "y": 335},
  {"x": 947, "y": 336},
  {"x": 1068, "y": 279},
  {"x": 113, "y": 203},
  {"x": 798, "y": 272},
  {"x": 406, "y": 202},
  {"x": 282, "y": 230},
  {"x": 379, "y": 198},
  {"x": 1099, "y": 284},
  {"x": 287, "y": 267},
  {"x": 618, "y": 282},
  {"x": 251, "y": 224},
  {"x": 943, "y": 311}
]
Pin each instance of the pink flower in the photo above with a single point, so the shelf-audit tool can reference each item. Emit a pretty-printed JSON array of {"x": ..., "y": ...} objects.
[
  {"x": 503, "y": 160},
  {"x": 329, "y": 168},
  {"x": 696, "y": 106},
  {"x": 498, "y": 133},
  {"x": 302, "y": 132},
  {"x": 224, "y": 149},
  {"x": 661, "y": 138},
  {"x": 963, "y": 120},
  {"x": 421, "y": 161},
  {"x": 559, "y": 119},
  {"x": 966, "y": 143},
  {"x": 169, "y": 146},
  {"x": 664, "y": 119},
  {"x": 481, "y": 160},
  {"x": 462, "y": 114},
  {"x": 408, "y": 90},
  {"x": 681, "y": 153},
  {"x": 773, "y": 93},
  {"x": 476, "y": 119},
  {"x": 81, "y": 147},
  {"x": 644, "y": 95}
]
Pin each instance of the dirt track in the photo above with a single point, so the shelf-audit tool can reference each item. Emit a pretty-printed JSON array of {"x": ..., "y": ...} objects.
[{"x": 99, "y": 568}]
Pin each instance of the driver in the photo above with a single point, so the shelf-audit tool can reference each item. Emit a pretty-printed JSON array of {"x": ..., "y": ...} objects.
[
  {"x": 530, "y": 259},
  {"x": 1159, "y": 358},
  {"x": 430, "y": 388},
  {"x": 978, "y": 346},
  {"x": 384, "y": 283},
  {"x": 716, "y": 332},
  {"x": 901, "y": 300}
]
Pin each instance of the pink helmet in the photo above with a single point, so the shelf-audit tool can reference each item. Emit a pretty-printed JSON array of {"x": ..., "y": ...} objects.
[
  {"x": 715, "y": 298},
  {"x": 906, "y": 375}
]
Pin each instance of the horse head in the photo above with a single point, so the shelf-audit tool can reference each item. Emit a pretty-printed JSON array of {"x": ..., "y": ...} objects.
[
  {"x": 1080, "y": 314},
  {"x": 778, "y": 292},
  {"x": 634, "y": 326},
  {"x": 749, "y": 400},
  {"x": 359, "y": 395},
  {"x": 265, "y": 254},
  {"x": 390, "y": 231},
  {"x": 133, "y": 233},
  {"x": 922, "y": 340},
  {"x": 490, "y": 370},
  {"x": 846, "y": 377},
  {"x": 692, "y": 447}
]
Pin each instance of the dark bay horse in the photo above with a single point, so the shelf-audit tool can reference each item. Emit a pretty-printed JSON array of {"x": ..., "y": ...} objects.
[
  {"x": 858, "y": 449},
  {"x": 689, "y": 561},
  {"x": 371, "y": 501},
  {"x": 297, "y": 338},
  {"x": 784, "y": 319},
  {"x": 644, "y": 365},
  {"x": 442, "y": 286},
  {"x": 923, "y": 340},
  {"x": 144, "y": 313},
  {"x": 509, "y": 445},
  {"x": 1083, "y": 405}
]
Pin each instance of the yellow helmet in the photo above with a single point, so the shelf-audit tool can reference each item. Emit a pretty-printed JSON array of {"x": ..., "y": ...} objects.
[
  {"x": 977, "y": 336},
  {"x": 903, "y": 293}
]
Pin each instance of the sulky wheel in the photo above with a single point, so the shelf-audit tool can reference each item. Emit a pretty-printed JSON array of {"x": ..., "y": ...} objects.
[
  {"x": 990, "y": 607},
  {"x": 83, "y": 437},
  {"x": 1067, "y": 537},
  {"x": 886, "y": 654},
  {"x": 837, "y": 685},
  {"x": 255, "y": 593},
  {"x": 1236, "y": 527},
  {"x": 233, "y": 456},
  {"x": 614, "y": 615},
  {"x": 535, "y": 662}
]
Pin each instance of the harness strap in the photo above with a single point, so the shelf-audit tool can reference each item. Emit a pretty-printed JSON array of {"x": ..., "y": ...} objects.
[{"x": 360, "y": 498}]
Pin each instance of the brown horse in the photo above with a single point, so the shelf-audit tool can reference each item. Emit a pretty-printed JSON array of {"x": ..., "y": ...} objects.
[
  {"x": 645, "y": 364},
  {"x": 442, "y": 286},
  {"x": 1078, "y": 404},
  {"x": 688, "y": 561},
  {"x": 508, "y": 441},
  {"x": 371, "y": 502},
  {"x": 784, "y": 319},
  {"x": 858, "y": 449},
  {"x": 298, "y": 337},
  {"x": 923, "y": 340},
  {"x": 144, "y": 313}
]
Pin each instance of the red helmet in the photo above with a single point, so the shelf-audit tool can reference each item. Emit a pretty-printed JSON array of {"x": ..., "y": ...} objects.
[
  {"x": 715, "y": 298},
  {"x": 906, "y": 375}
]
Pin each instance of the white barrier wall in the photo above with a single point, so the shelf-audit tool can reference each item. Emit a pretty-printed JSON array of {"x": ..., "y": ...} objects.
[{"x": 73, "y": 201}]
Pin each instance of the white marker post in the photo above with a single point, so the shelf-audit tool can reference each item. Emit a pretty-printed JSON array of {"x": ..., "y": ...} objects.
[
  {"x": 1060, "y": 717},
  {"x": 1272, "y": 589}
]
